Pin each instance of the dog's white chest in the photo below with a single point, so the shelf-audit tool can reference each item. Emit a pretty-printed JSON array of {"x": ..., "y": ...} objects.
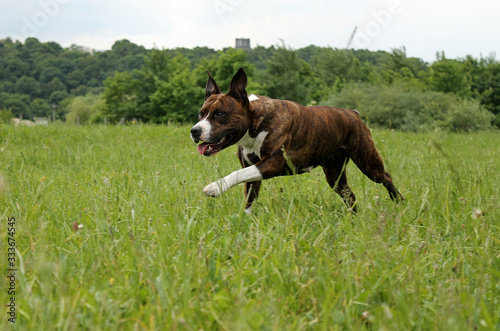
[{"x": 252, "y": 145}]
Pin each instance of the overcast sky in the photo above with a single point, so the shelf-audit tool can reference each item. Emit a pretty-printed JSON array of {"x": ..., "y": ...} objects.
[{"x": 457, "y": 27}]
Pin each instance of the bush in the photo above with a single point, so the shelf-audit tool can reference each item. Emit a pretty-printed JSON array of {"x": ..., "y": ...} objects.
[
  {"x": 83, "y": 110},
  {"x": 496, "y": 121},
  {"x": 397, "y": 107},
  {"x": 468, "y": 115},
  {"x": 6, "y": 116}
]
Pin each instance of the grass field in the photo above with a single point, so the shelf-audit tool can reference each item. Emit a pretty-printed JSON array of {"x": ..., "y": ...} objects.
[{"x": 153, "y": 253}]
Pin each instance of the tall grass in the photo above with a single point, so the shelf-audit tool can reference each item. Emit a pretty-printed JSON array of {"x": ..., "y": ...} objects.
[{"x": 155, "y": 254}]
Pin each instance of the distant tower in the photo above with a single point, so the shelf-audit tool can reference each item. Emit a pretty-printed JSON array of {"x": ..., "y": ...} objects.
[{"x": 243, "y": 43}]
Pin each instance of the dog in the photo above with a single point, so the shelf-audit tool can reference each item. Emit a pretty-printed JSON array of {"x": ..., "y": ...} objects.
[{"x": 279, "y": 137}]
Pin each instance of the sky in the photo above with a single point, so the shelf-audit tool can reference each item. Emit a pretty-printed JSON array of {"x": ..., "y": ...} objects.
[{"x": 423, "y": 27}]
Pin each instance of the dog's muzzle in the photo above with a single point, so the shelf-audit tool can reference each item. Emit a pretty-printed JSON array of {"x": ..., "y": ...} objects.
[{"x": 196, "y": 132}]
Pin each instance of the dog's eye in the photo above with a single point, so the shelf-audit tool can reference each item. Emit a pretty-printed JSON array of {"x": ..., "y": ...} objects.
[
  {"x": 219, "y": 114},
  {"x": 200, "y": 115}
]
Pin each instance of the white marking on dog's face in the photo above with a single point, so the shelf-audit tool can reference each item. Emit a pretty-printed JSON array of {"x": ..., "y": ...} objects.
[{"x": 206, "y": 127}]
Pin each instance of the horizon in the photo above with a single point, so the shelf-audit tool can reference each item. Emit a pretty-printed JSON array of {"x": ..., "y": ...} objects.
[
  {"x": 85, "y": 48},
  {"x": 425, "y": 28}
]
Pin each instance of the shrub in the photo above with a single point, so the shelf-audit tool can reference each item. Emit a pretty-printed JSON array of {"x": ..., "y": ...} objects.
[
  {"x": 468, "y": 115},
  {"x": 397, "y": 107},
  {"x": 6, "y": 116},
  {"x": 84, "y": 110}
]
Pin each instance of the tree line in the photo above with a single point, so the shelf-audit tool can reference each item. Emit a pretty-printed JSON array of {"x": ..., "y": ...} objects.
[{"x": 129, "y": 81}]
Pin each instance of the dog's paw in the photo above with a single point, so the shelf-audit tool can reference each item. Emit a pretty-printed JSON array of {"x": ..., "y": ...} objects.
[{"x": 213, "y": 189}]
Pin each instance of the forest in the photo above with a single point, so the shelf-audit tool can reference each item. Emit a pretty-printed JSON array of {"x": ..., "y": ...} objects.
[{"x": 390, "y": 89}]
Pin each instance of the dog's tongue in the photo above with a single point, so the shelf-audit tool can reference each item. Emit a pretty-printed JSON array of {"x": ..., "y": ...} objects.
[{"x": 202, "y": 148}]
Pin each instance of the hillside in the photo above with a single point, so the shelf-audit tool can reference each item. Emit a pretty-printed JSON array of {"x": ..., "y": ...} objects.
[{"x": 159, "y": 86}]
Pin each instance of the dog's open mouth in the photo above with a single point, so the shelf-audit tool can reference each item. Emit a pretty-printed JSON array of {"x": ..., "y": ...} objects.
[{"x": 209, "y": 149}]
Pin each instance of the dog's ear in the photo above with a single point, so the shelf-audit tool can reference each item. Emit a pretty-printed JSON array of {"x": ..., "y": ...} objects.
[
  {"x": 212, "y": 87},
  {"x": 237, "y": 88}
]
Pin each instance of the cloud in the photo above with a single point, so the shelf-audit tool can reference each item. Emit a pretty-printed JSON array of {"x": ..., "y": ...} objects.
[{"x": 458, "y": 27}]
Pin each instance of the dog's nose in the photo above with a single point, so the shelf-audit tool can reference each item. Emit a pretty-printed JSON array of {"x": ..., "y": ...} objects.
[{"x": 196, "y": 132}]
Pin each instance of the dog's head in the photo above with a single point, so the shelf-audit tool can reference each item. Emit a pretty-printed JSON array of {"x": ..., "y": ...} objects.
[{"x": 224, "y": 118}]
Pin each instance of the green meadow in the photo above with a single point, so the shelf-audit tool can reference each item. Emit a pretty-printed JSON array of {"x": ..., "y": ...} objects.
[{"x": 113, "y": 232}]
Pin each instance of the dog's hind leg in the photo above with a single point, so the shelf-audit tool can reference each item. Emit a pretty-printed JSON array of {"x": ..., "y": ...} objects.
[
  {"x": 336, "y": 177},
  {"x": 370, "y": 163}
]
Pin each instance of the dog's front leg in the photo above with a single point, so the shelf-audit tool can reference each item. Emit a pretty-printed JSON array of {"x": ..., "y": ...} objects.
[
  {"x": 248, "y": 174},
  {"x": 268, "y": 167}
]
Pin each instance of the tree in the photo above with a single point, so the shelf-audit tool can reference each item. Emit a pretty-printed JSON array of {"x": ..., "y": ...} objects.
[
  {"x": 332, "y": 65},
  {"x": 65, "y": 65},
  {"x": 406, "y": 66},
  {"x": 75, "y": 79},
  {"x": 288, "y": 77},
  {"x": 167, "y": 85},
  {"x": 58, "y": 96},
  {"x": 175, "y": 98},
  {"x": 223, "y": 66},
  {"x": 18, "y": 103},
  {"x": 124, "y": 47},
  {"x": 15, "y": 68},
  {"x": 40, "y": 108},
  {"x": 259, "y": 55},
  {"x": 50, "y": 74},
  {"x": 29, "y": 86},
  {"x": 119, "y": 96},
  {"x": 485, "y": 83},
  {"x": 450, "y": 76},
  {"x": 196, "y": 54},
  {"x": 124, "y": 56},
  {"x": 51, "y": 87},
  {"x": 163, "y": 90}
]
